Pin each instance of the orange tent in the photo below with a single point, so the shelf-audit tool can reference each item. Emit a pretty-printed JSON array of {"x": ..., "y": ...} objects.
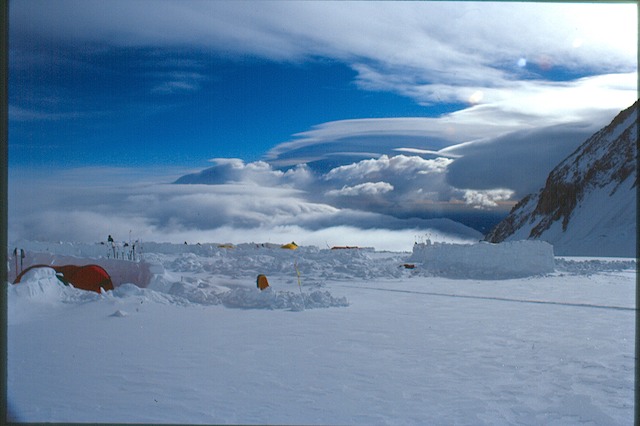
[
  {"x": 88, "y": 277},
  {"x": 262, "y": 282}
]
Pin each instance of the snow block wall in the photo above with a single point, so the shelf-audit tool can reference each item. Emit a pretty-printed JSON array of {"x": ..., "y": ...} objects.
[{"x": 514, "y": 259}]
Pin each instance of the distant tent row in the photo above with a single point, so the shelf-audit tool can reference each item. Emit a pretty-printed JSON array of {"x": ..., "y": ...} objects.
[{"x": 88, "y": 277}]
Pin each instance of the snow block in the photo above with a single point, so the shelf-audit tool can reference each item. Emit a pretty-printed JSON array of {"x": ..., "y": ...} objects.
[{"x": 513, "y": 259}]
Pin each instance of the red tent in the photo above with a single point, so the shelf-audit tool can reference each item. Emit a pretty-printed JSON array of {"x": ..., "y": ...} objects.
[{"x": 88, "y": 277}]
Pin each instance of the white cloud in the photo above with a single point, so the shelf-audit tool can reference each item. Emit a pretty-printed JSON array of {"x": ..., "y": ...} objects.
[
  {"x": 402, "y": 165},
  {"x": 283, "y": 29},
  {"x": 525, "y": 105},
  {"x": 419, "y": 151},
  {"x": 206, "y": 213},
  {"x": 226, "y": 170},
  {"x": 429, "y": 51},
  {"x": 367, "y": 188},
  {"x": 64, "y": 206},
  {"x": 487, "y": 198},
  {"x": 399, "y": 186}
]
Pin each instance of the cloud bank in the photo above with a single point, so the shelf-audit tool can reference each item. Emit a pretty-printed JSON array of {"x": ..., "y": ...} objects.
[{"x": 61, "y": 209}]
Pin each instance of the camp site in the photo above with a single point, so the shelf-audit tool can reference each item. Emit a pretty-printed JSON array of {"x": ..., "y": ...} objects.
[{"x": 258, "y": 333}]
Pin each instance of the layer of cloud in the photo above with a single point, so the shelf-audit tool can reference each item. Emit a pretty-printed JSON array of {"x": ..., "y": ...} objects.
[
  {"x": 60, "y": 207},
  {"x": 393, "y": 186},
  {"x": 477, "y": 53},
  {"x": 398, "y": 186},
  {"x": 397, "y": 194},
  {"x": 587, "y": 103},
  {"x": 519, "y": 161},
  {"x": 431, "y": 32}
]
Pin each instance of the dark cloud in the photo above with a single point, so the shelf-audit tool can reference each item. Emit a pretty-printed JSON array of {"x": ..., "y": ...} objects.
[{"x": 519, "y": 161}]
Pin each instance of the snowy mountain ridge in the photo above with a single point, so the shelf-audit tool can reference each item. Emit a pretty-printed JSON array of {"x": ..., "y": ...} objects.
[{"x": 588, "y": 204}]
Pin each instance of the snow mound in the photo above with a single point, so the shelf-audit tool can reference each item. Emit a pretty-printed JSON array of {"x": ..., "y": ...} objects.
[
  {"x": 199, "y": 293},
  {"x": 132, "y": 291},
  {"x": 127, "y": 290},
  {"x": 42, "y": 285},
  {"x": 270, "y": 299},
  {"x": 514, "y": 259},
  {"x": 252, "y": 298},
  {"x": 39, "y": 284},
  {"x": 314, "y": 264}
]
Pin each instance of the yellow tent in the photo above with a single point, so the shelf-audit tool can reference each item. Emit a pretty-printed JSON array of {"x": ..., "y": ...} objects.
[{"x": 290, "y": 246}]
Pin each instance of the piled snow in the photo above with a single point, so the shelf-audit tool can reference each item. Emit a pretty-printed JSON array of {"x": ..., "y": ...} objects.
[
  {"x": 310, "y": 261},
  {"x": 252, "y": 298},
  {"x": 40, "y": 284},
  {"x": 514, "y": 259},
  {"x": 270, "y": 299},
  {"x": 484, "y": 261}
]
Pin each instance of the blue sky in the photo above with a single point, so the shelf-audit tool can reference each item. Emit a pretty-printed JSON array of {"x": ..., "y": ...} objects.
[
  {"x": 398, "y": 111},
  {"x": 139, "y": 106}
]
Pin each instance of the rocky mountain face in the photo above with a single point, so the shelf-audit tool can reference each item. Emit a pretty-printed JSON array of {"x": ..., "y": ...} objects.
[{"x": 588, "y": 204}]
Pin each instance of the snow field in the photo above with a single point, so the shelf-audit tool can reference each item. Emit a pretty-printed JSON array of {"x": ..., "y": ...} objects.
[{"x": 409, "y": 347}]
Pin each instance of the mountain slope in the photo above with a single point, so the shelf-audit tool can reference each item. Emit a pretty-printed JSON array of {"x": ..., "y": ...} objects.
[{"x": 588, "y": 205}]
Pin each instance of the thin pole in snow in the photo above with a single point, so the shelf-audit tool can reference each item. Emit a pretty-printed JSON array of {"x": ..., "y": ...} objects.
[
  {"x": 15, "y": 254},
  {"x": 295, "y": 264}
]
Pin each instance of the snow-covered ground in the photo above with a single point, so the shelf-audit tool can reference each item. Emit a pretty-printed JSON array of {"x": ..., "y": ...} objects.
[{"x": 357, "y": 337}]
